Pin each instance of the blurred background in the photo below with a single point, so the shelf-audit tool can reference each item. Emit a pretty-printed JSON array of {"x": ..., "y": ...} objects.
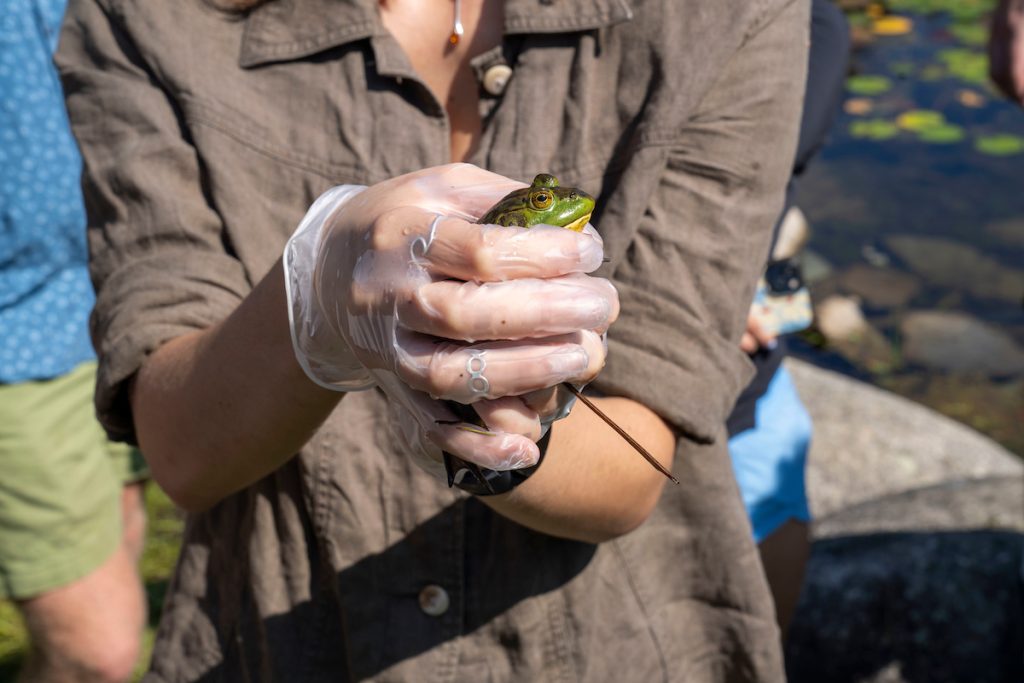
[{"x": 916, "y": 267}]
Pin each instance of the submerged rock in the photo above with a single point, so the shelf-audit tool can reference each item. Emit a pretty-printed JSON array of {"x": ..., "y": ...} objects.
[
  {"x": 956, "y": 342},
  {"x": 1009, "y": 231},
  {"x": 950, "y": 264},
  {"x": 814, "y": 266},
  {"x": 880, "y": 287},
  {"x": 841, "y": 322}
]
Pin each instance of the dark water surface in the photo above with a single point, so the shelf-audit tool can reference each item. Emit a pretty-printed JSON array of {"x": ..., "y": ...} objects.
[{"x": 861, "y": 192}]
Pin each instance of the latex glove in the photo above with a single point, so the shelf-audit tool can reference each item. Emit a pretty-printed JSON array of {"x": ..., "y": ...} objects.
[
  {"x": 394, "y": 285},
  {"x": 1006, "y": 49}
]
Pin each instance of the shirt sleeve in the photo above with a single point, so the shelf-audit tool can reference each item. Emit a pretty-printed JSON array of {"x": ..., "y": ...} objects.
[
  {"x": 687, "y": 275},
  {"x": 159, "y": 258}
]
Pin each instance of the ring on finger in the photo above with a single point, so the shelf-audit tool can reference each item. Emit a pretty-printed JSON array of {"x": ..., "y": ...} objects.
[
  {"x": 475, "y": 366},
  {"x": 419, "y": 247}
]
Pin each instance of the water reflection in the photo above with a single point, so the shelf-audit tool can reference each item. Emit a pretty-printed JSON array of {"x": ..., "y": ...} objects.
[{"x": 917, "y": 207}]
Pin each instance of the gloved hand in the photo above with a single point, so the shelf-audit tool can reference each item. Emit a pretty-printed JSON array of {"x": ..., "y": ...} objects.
[{"x": 394, "y": 285}]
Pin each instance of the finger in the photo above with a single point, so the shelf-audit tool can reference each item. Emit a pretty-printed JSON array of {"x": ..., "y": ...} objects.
[
  {"x": 748, "y": 343},
  {"x": 763, "y": 336},
  {"x": 544, "y": 402},
  {"x": 427, "y": 424},
  {"x": 596, "y": 347},
  {"x": 461, "y": 190},
  {"x": 494, "y": 450},
  {"x": 468, "y": 373},
  {"x": 515, "y": 309},
  {"x": 491, "y": 253},
  {"x": 509, "y": 414}
]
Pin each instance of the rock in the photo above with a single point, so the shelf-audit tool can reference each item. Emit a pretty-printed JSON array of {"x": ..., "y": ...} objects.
[
  {"x": 840, "y": 317},
  {"x": 956, "y": 342},
  {"x": 870, "y": 443},
  {"x": 1009, "y": 231},
  {"x": 953, "y": 265},
  {"x": 994, "y": 503},
  {"x": 992, "y": 408},
  {"x": 841, "y": 322},
  {"x": 941, "y": 607},
  {"x": 814, "y": 266},
  {"x": 792, "y": 234},
  {"x": 915, "y": 571},
  {"x": 880, "y": 287}
]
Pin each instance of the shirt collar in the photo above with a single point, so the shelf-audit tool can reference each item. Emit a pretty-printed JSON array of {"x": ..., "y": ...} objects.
[{"x": 282, "y": 30}]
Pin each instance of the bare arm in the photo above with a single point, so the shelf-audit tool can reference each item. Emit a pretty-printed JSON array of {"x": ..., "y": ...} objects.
[
  {"x": 217, "y": 410},
  {"x": 592, "y": 485}
]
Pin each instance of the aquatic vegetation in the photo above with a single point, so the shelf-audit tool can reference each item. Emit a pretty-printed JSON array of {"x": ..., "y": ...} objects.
[
  {"x": 917, "y": 120},
  {"x": 965, "y": 64},
  {"x": 932, "y": 72},
  {"x": 942, "y": 134},
  {"x": 868, "y": 84},
  {"x": 960, "y": 10},
  {"x": 892, "y": 25},
  {"x": 874, "y": 129},
  {"x": 974, "y": 35},
  {"x": 902, "y": 69},
  {"x": 1000, "y": 145}
]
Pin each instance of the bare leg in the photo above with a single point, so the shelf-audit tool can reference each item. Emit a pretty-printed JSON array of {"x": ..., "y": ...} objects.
[
  {"x": 90, "y": 630},
  {"x": 784, "y": 554}
]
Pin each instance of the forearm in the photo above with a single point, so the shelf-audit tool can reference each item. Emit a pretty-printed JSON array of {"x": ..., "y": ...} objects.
[
  {"x": 592, "y": 485},
  {"x": 219, "y": 409}
]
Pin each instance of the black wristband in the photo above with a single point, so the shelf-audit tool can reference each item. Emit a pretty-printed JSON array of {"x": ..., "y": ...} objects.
[{"x": 481, "y": 481}]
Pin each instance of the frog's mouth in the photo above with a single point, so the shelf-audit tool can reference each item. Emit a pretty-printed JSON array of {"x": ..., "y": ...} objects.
[{"x": 578, "y": 224}]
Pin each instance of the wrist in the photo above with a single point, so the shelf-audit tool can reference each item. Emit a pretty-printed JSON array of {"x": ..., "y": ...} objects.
[{"x": 323, "y": 354}]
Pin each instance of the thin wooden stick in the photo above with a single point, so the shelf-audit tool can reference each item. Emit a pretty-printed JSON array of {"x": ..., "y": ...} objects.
[{"x": 621, "y": 432}]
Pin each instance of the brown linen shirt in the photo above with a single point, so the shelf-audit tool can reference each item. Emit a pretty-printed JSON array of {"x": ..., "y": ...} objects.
[{"x": 206, "y": 136}]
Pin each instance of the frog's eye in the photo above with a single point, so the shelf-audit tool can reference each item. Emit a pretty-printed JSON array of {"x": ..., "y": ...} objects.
[{"x": 540, "y": 200}]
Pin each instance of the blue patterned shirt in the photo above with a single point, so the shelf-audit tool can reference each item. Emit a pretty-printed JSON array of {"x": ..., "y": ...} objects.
[{"x": 45, "y": 293}]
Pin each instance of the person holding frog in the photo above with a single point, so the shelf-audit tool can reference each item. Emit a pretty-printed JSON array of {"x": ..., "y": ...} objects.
[{"x": 291, "y": 386}]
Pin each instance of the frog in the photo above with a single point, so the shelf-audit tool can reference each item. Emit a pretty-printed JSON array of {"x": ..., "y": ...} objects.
[{"x": 544, "y": 202}]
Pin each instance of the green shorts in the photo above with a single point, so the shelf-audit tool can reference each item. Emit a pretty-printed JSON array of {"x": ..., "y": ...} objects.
[{"x": 60, "y": 487}]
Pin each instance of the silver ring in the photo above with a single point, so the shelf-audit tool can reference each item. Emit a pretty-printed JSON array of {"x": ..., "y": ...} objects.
[
  {"x": 424, "y": 242},
  {"x": 475, "y": 366}
]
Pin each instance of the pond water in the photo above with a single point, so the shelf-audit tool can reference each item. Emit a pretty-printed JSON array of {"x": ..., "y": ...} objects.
[{"x": 916, "y": 206}]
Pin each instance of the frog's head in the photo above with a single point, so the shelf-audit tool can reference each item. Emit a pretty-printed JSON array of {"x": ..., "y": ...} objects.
[{"x": 543, "y": 202}]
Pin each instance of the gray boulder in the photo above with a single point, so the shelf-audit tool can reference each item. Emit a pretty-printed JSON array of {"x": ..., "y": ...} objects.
[{"x": 957, "y": 342}]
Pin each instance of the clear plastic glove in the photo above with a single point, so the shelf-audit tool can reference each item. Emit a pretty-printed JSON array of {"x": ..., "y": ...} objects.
[{"x": 395, "y": 286}]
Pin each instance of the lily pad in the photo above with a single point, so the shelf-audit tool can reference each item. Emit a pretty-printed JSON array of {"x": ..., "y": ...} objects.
[
  {"x": 942, "y": 134},
  {"x": 902, "y": 69},
  {"x": 1001, "y": 145},
  {"x": 932, "y": 72},
  {"x": 892, "y": 26},
  {"x": 868, "y": 84},
  {"x": 974, "y": 35},
  {"x": 965, "y": 64},
  {"x": 917, "y": 120},
  {"x": 960, "y": 10},
  {"x": 874, "y": 129}
]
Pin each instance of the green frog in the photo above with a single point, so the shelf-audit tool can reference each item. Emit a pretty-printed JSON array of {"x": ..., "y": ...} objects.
[{"x": 543, "y": 202}]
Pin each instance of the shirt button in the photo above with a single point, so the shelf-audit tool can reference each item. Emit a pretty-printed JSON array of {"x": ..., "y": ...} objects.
[
  {"x": 434, "y": 600},
  {"x": 496, "y": 78}
]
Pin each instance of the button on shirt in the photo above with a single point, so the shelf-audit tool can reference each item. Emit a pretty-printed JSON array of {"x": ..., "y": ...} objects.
[{"x": 45, "y": 293}]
